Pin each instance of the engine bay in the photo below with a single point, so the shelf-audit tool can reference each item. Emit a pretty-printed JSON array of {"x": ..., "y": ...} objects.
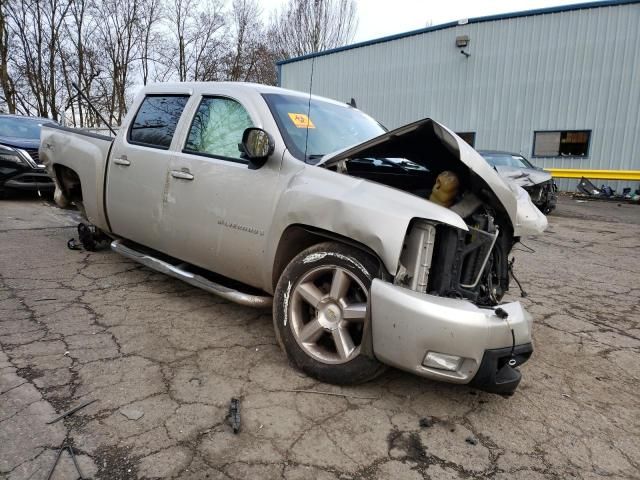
[
  {"x": 469, "y": 264},
  {"x": 424, "y": 159}
]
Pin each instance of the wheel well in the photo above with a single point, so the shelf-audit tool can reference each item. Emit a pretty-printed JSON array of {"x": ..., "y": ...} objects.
[
  {"x": 297, "y": 238},
  {"x": 69, "y": 182}
]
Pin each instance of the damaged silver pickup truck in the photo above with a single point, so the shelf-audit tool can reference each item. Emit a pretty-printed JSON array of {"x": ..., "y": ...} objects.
[{"x": 373, "y": 247}]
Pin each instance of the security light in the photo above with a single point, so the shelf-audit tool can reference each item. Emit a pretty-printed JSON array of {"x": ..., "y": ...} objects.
[{"x": 462, "y": 41}]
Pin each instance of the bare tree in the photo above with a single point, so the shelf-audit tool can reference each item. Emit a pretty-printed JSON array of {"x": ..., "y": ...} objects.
[
  {"x": 307, "y": 26},
  {"x": 247, "y": 31},
  {"x": 78, "y": 59},
  {"x": 197, "y": 28},
  {"x": 107, "y": 47},
  {"x": 6, "y": 82},
  {"x": 36, "y": 25},
  {"x": 249, "y": 57},
  {"x": 150, "y": 37},
  {"x": 118, "y": 33}
]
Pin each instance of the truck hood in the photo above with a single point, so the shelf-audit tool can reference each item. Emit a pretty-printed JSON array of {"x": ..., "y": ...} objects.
[
  {"x": 447, "y": 151},
  {"x": 525, "y": 177}
]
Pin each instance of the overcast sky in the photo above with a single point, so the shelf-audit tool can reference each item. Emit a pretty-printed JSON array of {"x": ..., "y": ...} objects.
[{"x": 378, "y": 18}]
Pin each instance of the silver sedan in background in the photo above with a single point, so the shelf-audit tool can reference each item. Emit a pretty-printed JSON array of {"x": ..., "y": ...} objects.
[{"x": 539, "y": 184}]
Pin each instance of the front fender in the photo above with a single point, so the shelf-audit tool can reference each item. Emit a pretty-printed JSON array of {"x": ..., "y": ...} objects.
[{"x": 371, "y": 214}]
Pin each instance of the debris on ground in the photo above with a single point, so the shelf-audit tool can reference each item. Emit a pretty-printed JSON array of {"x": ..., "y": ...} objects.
[
  {"x": 234, "y": 414},
  {"x": 69, "y": 448},
  {"x": 69, "y": 412},
  {"x": 90, "y": 238},
  {"x": 335, "y": 394},
  {"x": 471, "y": 440},
  {"x": 586, "y": 189},
  {"x": 132, "y": 413},
  {"x": 72, "y": 244},
  {"x": 427, "y": 422}
]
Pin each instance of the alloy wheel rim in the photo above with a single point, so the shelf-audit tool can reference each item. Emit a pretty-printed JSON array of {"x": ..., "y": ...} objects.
[{"x": 327, "y": 311}]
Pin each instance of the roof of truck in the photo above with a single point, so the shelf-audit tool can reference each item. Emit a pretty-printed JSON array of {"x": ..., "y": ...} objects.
[
  {"x": 199, "y": 87},
  {"x": 25, "y": 117},
  {"x": 239, "y": 85}
]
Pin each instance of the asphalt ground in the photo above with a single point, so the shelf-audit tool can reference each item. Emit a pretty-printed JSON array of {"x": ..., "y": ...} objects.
[{"x": 162, "y": 360}]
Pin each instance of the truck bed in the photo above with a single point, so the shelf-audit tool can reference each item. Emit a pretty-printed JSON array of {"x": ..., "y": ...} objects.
[{"x": 87, "y": 155}]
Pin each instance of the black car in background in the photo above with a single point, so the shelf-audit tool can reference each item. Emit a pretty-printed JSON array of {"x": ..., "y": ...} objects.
[
  {"x": 539, "y": 184},
  {"x": 20, "y": 168}
]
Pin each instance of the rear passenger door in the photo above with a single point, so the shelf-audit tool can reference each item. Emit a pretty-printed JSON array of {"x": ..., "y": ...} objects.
[{"x": 137, "y": 171}]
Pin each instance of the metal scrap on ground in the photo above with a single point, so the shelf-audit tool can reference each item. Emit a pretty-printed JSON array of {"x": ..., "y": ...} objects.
[
  {"x": 69, "y": 412},
  {"x": 69, "y": 448},
  {"x": 234, "y": 414}
]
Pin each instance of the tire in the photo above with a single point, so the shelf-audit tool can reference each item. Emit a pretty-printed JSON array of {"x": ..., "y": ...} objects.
[
  {"x": 319, "y": 288},
  {"x": 60, "y": 199}
]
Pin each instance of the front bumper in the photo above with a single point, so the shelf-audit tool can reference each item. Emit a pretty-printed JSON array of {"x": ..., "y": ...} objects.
[
  {"x": 407, "y": 325},
  {"x": 30, "y": 180}
]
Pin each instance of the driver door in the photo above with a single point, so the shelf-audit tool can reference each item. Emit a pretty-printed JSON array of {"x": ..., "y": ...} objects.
[{"x": 218, "y": 210}]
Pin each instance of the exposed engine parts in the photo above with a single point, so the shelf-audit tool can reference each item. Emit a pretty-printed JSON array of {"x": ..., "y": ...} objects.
[
  {"x": 449, "y": 262},
  {"x": 471, "y": 264},
  {"x": 416, "y": 257},
  {"x": 445, "y": 190}
]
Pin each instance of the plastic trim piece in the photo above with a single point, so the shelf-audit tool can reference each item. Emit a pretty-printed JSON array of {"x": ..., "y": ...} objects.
[{"x": 496, "y": 375}]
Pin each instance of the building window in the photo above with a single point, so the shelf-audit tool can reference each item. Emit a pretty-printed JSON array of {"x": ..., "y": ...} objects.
[
  {"x": 561, "y": 143},
  {"x": 469, "y": 137}
]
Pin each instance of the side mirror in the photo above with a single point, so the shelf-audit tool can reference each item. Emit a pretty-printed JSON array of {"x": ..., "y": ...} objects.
[{"x": 256, "y": 145}]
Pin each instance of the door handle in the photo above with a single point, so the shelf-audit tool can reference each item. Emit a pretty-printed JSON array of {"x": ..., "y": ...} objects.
[
  {"x": 182, "y": 174},
  {"x": 122, "y": 160}
]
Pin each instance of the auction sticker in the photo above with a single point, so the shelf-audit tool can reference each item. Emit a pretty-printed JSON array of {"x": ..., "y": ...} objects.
[{"x": 300, "y": 120}]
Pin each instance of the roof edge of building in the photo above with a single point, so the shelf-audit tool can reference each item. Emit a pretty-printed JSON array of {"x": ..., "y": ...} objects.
[{"x": 443, "y": 26}]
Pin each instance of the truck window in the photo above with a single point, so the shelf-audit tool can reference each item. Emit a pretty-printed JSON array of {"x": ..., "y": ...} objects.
[
  {"x": 156, "y": 120},
  {"x": 217, "y": 128}
]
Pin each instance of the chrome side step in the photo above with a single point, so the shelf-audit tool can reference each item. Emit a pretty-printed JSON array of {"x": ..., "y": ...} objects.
[{"x": 191, "y": 278}]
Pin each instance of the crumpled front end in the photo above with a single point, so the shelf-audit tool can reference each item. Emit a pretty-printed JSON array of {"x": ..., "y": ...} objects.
[
  {"x": 450, "y": 339},
  {"x": 529, "y": 218},
  {"x": 537, "y": 183},
  {"x": 441, "y": 315},
  {"x": 544, "y": 196}
]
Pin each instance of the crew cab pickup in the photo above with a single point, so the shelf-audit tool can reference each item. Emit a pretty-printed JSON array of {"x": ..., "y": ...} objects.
[{"x": 372, "y": 247}]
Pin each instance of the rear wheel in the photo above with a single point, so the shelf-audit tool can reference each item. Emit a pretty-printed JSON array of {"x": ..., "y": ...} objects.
[{"x": 321, "y": 312}]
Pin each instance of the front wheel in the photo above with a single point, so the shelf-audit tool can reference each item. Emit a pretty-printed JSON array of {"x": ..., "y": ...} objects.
[{"x": 320, "y": 313}]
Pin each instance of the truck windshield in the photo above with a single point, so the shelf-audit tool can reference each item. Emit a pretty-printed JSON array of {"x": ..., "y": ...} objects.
[
  {"x": 330, "y": 126},
  {"x": 506, "y": 160}
]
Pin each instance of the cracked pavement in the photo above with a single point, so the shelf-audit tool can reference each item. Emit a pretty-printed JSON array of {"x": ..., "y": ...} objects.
[{"x": 78, "y": 326}]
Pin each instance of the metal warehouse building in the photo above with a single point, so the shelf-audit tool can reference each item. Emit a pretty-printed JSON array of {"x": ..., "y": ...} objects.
[{"x": 560, "y": 85}]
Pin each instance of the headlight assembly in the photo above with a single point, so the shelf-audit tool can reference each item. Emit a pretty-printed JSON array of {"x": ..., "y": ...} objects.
[{"x": 9, "y": 154}]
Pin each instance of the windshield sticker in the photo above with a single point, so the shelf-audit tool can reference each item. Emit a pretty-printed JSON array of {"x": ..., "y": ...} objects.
[{"x": 300, "y": 120}]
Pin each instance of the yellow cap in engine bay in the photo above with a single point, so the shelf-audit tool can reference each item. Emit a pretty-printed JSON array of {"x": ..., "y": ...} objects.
[{"x": 445, "y": 189}]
